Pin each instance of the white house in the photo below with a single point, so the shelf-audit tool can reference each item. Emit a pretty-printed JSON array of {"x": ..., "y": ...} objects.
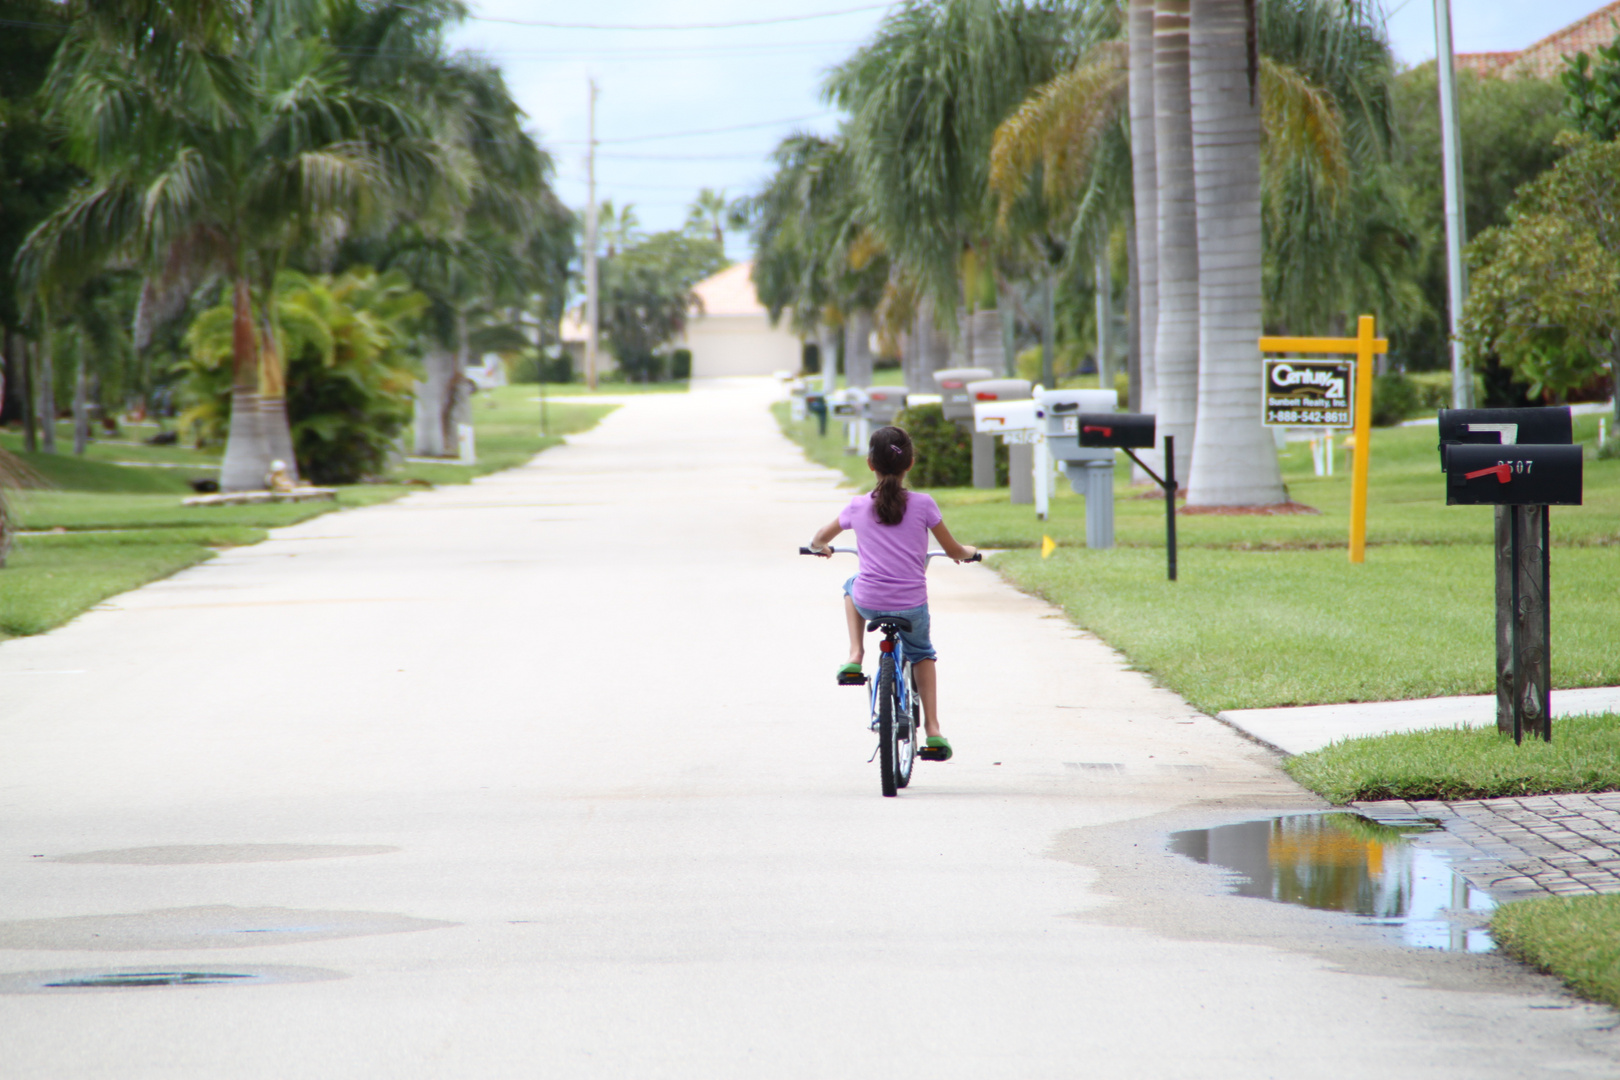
[{"x": 730, "y": 333}]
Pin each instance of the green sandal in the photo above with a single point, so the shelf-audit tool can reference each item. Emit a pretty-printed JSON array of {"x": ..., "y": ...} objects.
[
  {"x": 938, "y": 749},
  {"x": 850, "y": 675}
]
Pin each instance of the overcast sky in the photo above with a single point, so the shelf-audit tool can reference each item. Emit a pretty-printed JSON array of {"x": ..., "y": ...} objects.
[{"x": 762, "y": 82}]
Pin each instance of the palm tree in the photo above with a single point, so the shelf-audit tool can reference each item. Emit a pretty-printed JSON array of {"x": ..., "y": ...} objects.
[
  {"x": 708, "y": 214},
  {"x": 924, "y": 98},
  {"x": 1322, "y": 85},
  {"x": 1234, "y": 461},
  {"x": 226, "y": 171},
  {"x": 1175, "y": 346}
]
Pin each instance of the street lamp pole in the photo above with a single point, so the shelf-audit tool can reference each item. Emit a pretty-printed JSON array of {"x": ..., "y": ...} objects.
[
  {"x": 1462, "y": 381},
  {"x": 593, "y": 315}
]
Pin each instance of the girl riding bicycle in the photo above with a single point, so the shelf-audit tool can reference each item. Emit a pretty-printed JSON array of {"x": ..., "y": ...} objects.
[{"x": 891, "y": 530}]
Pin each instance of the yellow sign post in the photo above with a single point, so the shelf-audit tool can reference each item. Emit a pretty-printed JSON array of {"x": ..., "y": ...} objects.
[{"x": 1364, "y": 347}]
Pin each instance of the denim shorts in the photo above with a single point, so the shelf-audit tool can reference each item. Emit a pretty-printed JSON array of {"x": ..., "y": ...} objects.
[{"x": 918, "y": 647}]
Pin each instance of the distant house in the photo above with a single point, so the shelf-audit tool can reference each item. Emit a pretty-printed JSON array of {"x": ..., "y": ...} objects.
[
  {"x": 1545, "y": 59},
  {"x": 730, "y": 332}
]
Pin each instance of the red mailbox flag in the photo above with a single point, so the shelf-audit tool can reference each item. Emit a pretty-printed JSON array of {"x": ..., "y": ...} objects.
[
  {"x": 1503, "y": 471},
  {"x": 1107, "y": 432}
]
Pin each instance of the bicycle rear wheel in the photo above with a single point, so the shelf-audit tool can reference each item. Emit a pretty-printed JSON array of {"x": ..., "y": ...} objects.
[
  {"x": 906, "y": 729},
  {"x": 888, "y": 721}
]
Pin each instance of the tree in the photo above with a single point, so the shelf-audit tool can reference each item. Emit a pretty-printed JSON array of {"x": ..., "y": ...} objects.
[
  {"x": 1509, "y": 127},
  {"x": 1318, "y": 79},
  {"x": 1545, "y": 292},
  {"x": 924, "y": 98},
  {"x": 707, "y": 214},
  {"x": 348, "y": 340},
  {"x": 36, "y": 174},
  {"x": 647, "y": 294},
  {"x": 1234, "y": 461},
  {"x": 246, "y": 151}
]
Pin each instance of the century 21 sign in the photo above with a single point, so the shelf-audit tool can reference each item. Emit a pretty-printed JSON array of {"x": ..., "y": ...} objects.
[{"x": 1310, "y": 393}]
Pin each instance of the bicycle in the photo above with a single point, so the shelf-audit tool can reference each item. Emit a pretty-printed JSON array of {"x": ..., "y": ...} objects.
[{"x": 897, "y": 713}]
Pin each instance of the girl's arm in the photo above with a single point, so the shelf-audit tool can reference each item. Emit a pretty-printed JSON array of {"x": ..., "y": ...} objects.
[
  {"x": 958, "y": 552},
  {"x": 823, "y": 537}
]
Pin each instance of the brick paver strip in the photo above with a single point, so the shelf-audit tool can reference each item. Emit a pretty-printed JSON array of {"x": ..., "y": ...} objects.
[{"x": 1519, "y": 849}]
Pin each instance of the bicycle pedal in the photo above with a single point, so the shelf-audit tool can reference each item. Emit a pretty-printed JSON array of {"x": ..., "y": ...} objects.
[
  {"x": 932, "y": 753},
  {"x": 851, "y": 680}
]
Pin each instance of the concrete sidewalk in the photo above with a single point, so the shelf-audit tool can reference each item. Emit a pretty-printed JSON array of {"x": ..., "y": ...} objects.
[
  {"x": 547, "y": 775},
  {"x": 1301, "y": 729}
]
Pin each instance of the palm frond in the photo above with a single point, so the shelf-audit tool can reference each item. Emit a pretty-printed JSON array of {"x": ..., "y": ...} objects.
[
  {"x": 1055, "y": 132},
  {"x": 1302, "y": 125}
]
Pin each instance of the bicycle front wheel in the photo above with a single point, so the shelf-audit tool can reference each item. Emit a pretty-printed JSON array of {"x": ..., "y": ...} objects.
[{"x": 888, "y": 721}]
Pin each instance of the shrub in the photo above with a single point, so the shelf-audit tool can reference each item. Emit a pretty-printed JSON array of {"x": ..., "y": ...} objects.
[
  {"x": 944, "y": 452},
  {"x": 680, "y": 364},
  {"x": 528, "y": 369},
  {"x": 1394, "y": 399},
  {"x": 350, "y": 375}
]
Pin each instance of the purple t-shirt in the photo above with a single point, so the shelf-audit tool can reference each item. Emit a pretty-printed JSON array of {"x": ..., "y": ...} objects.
[{"x": 893, "y": 557}]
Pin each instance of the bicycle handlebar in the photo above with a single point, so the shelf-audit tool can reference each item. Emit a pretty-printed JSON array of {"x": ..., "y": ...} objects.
[{"x": 978, "y": 556}]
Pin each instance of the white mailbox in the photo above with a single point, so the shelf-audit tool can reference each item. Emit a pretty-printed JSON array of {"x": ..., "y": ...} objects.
[
  {"x": 1090, "y": 469},
  {"x": 1063, "y": 408},
  {"x": 883, "y": 403},
  {"x": 846, "y": 404},
  {"x": 1017, "y": 422}
]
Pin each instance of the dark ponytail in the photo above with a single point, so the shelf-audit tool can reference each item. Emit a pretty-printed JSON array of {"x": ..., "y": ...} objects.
[{"x": 890, "y": 455}]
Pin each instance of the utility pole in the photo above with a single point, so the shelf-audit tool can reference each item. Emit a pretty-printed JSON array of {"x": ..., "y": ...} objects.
[
  {"x": 1462, "y": 381},
  {"x": 593, "y": 315}
]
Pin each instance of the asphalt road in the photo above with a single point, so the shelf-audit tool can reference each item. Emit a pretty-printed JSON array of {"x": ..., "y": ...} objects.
[{"x": 548, "y": 776}]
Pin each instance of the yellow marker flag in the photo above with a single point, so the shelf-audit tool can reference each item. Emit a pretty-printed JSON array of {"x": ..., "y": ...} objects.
[{"x": 1048, "y": 545}]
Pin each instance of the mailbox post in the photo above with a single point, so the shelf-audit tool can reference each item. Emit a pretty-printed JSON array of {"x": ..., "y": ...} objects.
[
  {"x": 815, "y": 403},
  {"x": 1522, "y": 462},
  {"x": 1090, "y": 469},
  {"x": 1020, "y": 451},
  {"x": 850, "y": 407},
  {"x": 1131, "y": 432},
  {"x": 957, "y": 404},
  {"x": 1017, "y": 424}
]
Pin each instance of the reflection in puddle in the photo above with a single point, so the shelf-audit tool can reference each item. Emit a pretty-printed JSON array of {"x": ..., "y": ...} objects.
[{"x": 1345, "y": 862}]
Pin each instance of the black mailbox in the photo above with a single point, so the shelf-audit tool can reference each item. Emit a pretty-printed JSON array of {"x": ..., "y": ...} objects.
[
  {"x": 1497, "y": 427},
  {"x": 1121, "y": 430},
  {"x": 1513, "y": 475}
]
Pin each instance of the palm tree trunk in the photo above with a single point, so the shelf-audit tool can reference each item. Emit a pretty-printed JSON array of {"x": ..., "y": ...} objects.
[
  {"x": 47, "y": 385},
  {"x": 1145, "y": 189},
  {"x": 1234, "y": 459},
  {"x": 1133, "y": 322},
  {"x": 458, "y": 405},
  {"x": 858, "y": 349},
  {"x": 81, "y": 398},
  {"x": 929, "y": 349},
  {"x": 17, "y": 345},
  {"x": 429, "y": 429},
  {"x": 247, "y": 456},
  {"x": 273, "y": 400},
  {"x": 1175, "y": 349},
  {"x": 1103, "y": 282}
]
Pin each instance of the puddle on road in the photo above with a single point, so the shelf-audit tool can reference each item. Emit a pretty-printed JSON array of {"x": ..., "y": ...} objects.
[{"x": 1345, "y": 862}]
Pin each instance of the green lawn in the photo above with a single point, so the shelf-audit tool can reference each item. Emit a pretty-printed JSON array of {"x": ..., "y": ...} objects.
[
  {"x": 1576, "y": 938},
  {"x": 1269, "y": 611},
  {"x": 1466, "y": 763},
  {"x": 95, "y": 529}
]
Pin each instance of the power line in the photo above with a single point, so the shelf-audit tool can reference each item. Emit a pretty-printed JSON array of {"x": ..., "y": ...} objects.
[
  {"x": 700, "y": 131},
  {"x": 682, "y": 157},
  {"x": 778, "y": 20}
]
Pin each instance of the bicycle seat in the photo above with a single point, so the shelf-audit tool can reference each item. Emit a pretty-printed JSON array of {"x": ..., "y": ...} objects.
[{"x": 886, "y": 622}]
